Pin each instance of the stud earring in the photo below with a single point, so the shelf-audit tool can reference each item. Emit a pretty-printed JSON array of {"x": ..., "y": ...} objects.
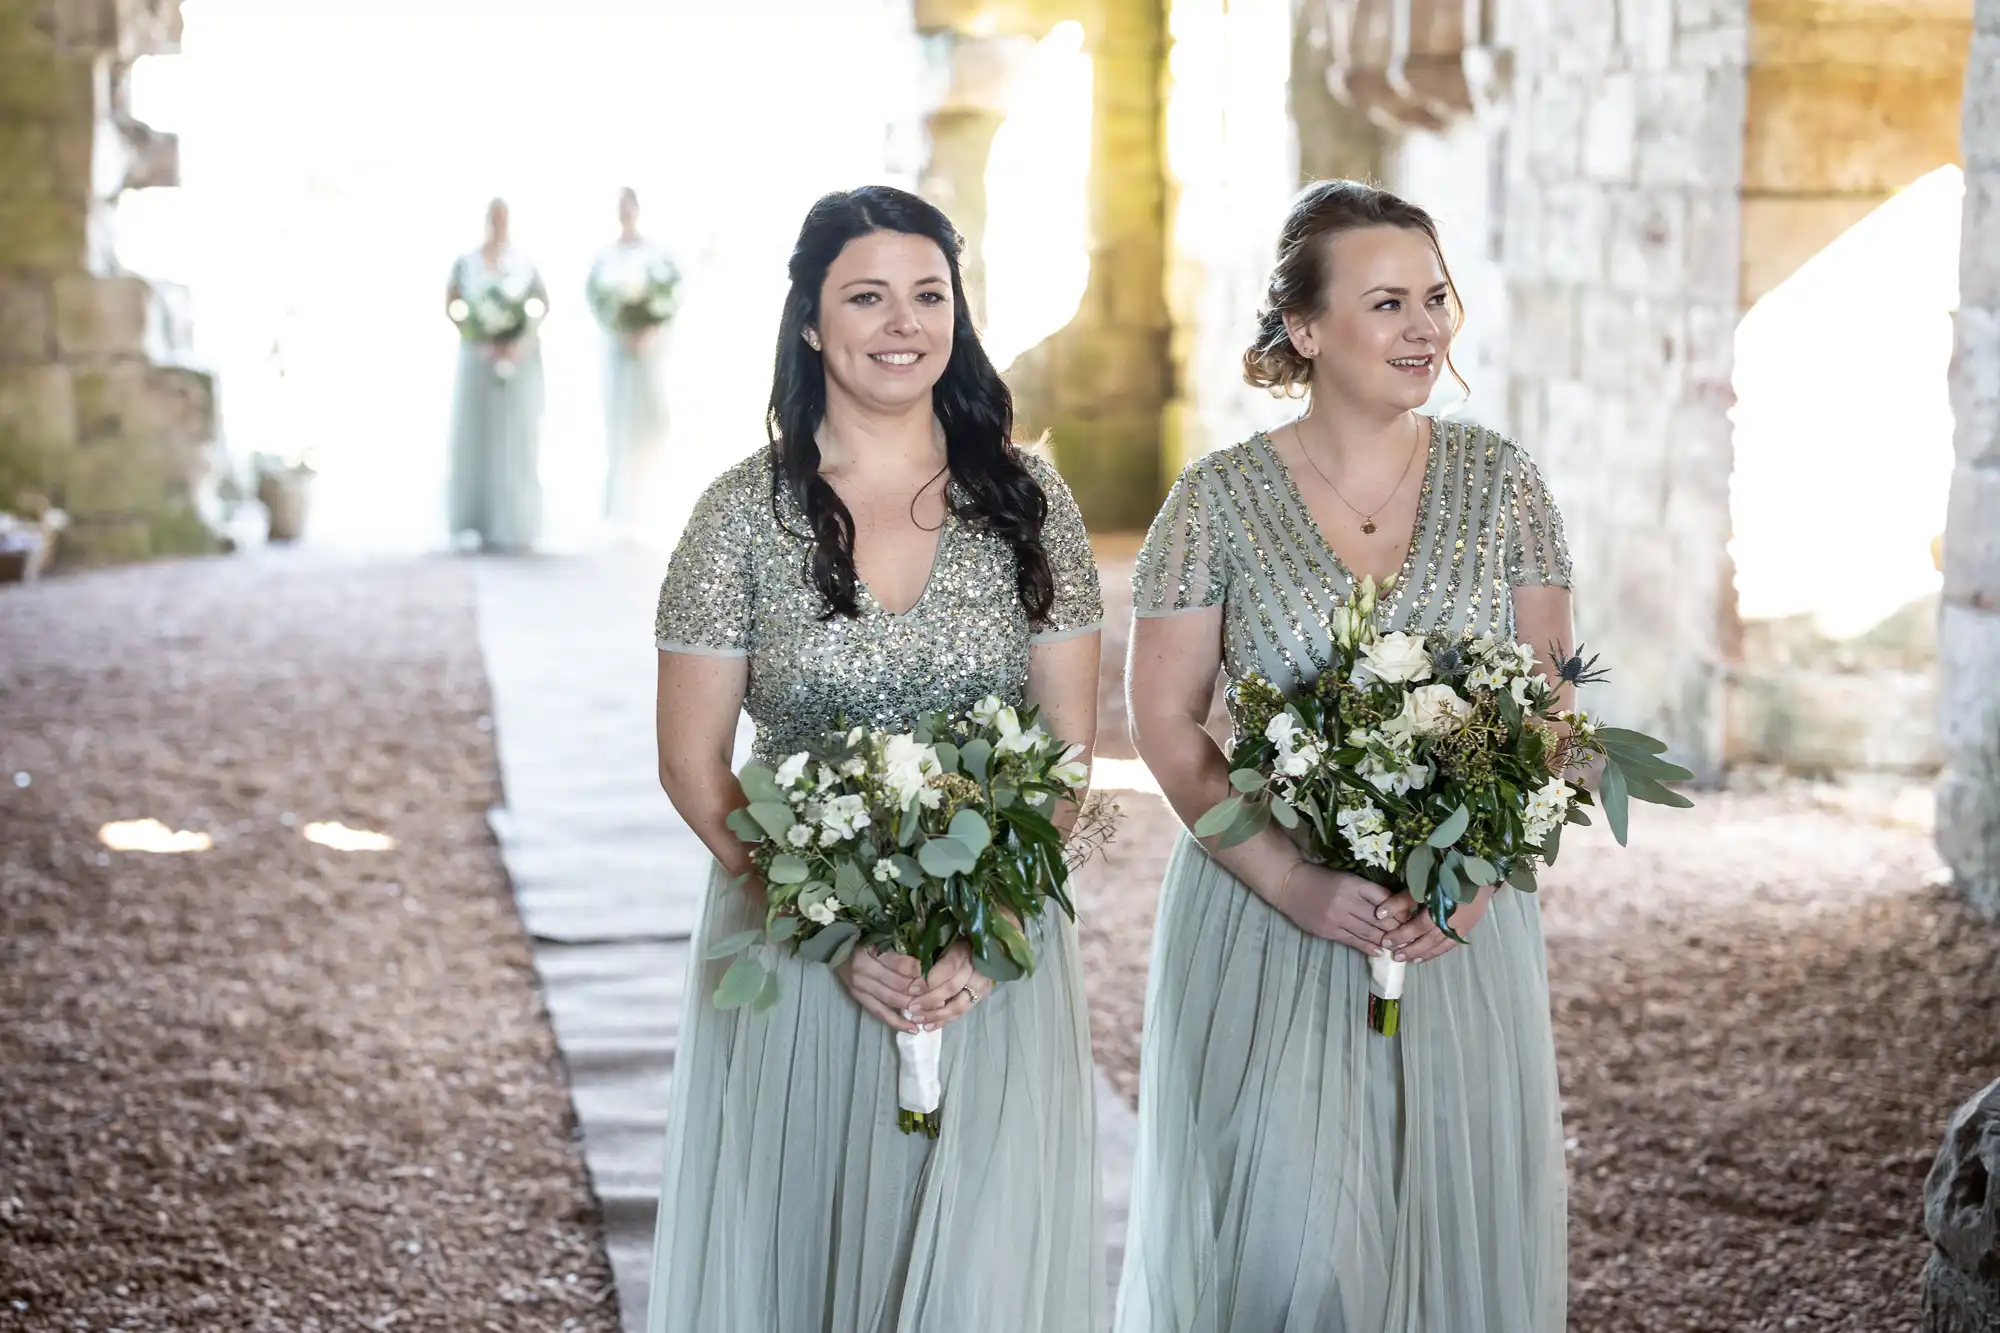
[{"x": 812, "y": 340}]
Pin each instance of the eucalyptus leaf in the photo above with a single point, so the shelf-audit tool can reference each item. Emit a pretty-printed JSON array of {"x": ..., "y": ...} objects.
[
  {"x": 788, "y": 869},
  {"x": 840, "y": 954},
  {"x": 736, "y": 943},
  {"x": 1282, "y": 811},
  {"x": 1522, "y": 877},
  {"x": 783, "y": 929},
  {"x": 767, "y": 995},
  {"x": 1552, "y": 844},
  {"x": 1636, "y": 764},
  {"x": 1611, "y": 794},
  {"x": 994, "y": 964},
  {"x": 1645, "y": 789},
  {"x": 1218, "y": 819},
  {"x": 1253, "y": 819},
  {"x": 1453, "y": 828},
  {"x": 970, "y": 829},
  {"x": 1448, "y": 886},
  {"x": 820, "y": 948},
  {"x": 740, "y": 984},
  {"x": 908, "y": 873},
  {"x": 743, "y": 826},
  {"x": 1620, "y": 738},
  {"x": 973, "y": 757},
  {"x": 1247, "y": 780},
  {"x": 774, "y": 817},
  {"x": 1479, "y": 870},
  {"x": 942, "y": 858},
  {"x": 761, "y": 784},
  {"x": 1417, "y": 870},
  {"x": 847, "y": 880},
  {"x": 947, "y": 754}
]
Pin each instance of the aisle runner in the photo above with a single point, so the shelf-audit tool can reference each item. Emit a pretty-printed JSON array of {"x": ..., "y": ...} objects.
[{"x": 608, "y": 877}]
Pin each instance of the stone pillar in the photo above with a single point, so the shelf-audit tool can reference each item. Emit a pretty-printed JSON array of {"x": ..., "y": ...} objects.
[
  {"x": 975, "y": 52},
  {"x": 1969, "y": 632},
  {"x": 1621, "y": 240},
  {"x": 98, "y": 410},
  {"x": 1100, "y": 385}
]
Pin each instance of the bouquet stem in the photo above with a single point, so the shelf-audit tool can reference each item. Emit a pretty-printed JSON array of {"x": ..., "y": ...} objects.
[
  {"x": 1385, "y": 992},
  {"x": 918, "y": 1090}
]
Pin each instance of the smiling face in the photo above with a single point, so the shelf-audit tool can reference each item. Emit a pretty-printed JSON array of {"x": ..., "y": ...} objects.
[
  {"x": 885, "y": 319},
  {"x": 1386, "y": 318}
]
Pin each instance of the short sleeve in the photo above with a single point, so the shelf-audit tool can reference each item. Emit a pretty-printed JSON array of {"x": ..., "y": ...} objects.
[
  {"x": 1181, "y": 567},
  {"x": 706, "y": 599},
  {"x": 1079, "y": 601},
  {"x": 1537, "y": 553}
]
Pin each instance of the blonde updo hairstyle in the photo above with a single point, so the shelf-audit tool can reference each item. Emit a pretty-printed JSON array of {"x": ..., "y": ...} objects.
[{"x": 1297, "y": 285}]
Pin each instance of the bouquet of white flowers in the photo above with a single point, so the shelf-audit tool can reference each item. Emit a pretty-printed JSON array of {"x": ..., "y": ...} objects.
[
  {"x": 1430, "y": 763},
  {"x": 910, "y": 842},
  {"x": 632, "y": 290},
  {"x": 497, "y": 312}
]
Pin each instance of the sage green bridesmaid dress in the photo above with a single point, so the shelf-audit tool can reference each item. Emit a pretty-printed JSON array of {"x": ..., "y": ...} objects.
[
  {"x": 1296, "y": 1172},
  {"x": 791, "y": 1201}
]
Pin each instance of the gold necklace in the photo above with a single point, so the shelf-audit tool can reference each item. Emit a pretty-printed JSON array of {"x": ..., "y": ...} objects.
[{"x": 1367, "y": 519}]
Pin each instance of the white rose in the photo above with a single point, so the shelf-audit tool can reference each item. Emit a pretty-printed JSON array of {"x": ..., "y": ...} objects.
[
  {"x": 1438, "y": 710},
  {"x": 908, "y": 764},
  {"x": 820, "y": 913},
  {"x": 1399, "y": 658},
  {"x": 792, "y": 769}
]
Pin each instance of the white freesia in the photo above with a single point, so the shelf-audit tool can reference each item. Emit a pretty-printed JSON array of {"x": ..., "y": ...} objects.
[
  {"x": 1013, "y": 740},
  {"x": 1548, "y": 805},
  {"x": 1374, "y": 849},
  {"x": 987, "y": 711},
  {"x": 792, "y": 769},
  {"x": 1401, "y": 730},
  {"x": 820, "y": 913},
  {"x": 841, "y": 818},
  {"x": 1438, "y": 709},
  {"x": 1360, "y": 819},
  {"x": 907, "y": 764},
  {"x": 1392, "y": 774},
  {"x": 1523, "y": 689},
  {"x": 1300, "y": 761},
  {"x": 1399, "y": 658},
  {"x": 1486, "y": 676},
  {"x": 1283, "y": 731},
  {"x": 1070, "y": 770}
]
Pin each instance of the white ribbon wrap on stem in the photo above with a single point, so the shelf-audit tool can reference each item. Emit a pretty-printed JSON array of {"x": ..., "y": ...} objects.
[
  {"x": 917, "y": 1086},
  {"x": 1385, "y": 974}
]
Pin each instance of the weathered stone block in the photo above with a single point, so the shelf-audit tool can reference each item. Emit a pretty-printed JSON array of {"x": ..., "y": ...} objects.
[
  {"x": 1845, "y": 129},
  {"x": 1610, "y": 127},
  {"x": 1551, "y": 122},
  {"x": 38, "y": 232},
  {"x": 1715, "y": 246},
  {"x": 1981, "y": 126},
  {"x": 1815, "y": 722},
  {"x": 1690, "y": 127},
  {"x": 27, "y": 318},
  {"x": 1979, "y": 247},
  {"x": 1574, "y": 220},
  {"x": 1711, "y": 343},
  {"x": 1648, "y": 241},
  {"x": 1705, "y": 15},
  {"x": 1588, "y": 41},
  {"x": 1542, "y": 333},
  {"x": 43, "y": 84},
  {"x": 1646, "y": 33},
  {"x": 1897, "y": 38},
  {"x": 101, "y": 317},
  {"x": 1972, "y": 539},
  {"x": 37, "y": 428},
  {"x": 27, "y": 158},
  {"x": 1962, "y": 1219},
  {"x": 1975, "y": 385},
  {"x": 1969, "y": 730}
]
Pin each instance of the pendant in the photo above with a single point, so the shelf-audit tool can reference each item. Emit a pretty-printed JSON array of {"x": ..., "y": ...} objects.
[{"x": 1368, "y": 526}]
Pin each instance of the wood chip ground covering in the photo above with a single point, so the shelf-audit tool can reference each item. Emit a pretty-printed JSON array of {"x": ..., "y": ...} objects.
[{"x": 270, "y": 1085}]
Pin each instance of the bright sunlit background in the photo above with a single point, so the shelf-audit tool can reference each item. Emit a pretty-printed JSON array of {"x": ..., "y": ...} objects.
[
  {"x": 338, "y": 154},
  {"x": 1843, "y": 419}
]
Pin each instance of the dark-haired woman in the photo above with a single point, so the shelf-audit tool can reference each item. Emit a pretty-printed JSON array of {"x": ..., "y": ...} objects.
[
  {"x": 890, "y": 553},
  {"x": 1296, "y": 1172}
]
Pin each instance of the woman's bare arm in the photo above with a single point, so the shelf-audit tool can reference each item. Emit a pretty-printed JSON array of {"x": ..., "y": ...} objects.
[
  {"x": 1062, "y": 682},
  {"x": 700, "y": 696},
  {"x": 1542, "y": 621}
]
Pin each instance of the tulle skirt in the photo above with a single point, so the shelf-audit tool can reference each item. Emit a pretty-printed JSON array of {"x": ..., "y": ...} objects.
[
  {"x": 793, "y": 1204},
  {"x": 1298, "y": 1173},
  {"x": 495, "y": 488}
]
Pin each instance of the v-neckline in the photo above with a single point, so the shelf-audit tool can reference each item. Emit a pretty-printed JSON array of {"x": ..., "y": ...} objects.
[
  {"x": 1432, "y": 441},
  {"x": 930, "y": 575}
]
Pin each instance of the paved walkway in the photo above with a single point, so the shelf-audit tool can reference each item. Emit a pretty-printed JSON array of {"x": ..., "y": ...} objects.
[{"x": 607, "y": 876}]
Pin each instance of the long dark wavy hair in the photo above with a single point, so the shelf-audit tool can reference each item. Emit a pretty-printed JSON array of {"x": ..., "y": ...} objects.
[{"x": 994, "y": 489}]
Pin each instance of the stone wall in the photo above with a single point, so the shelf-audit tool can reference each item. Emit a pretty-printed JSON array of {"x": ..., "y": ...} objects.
[
  {"x": 1969, "y": 648},
  {"x": 98, "y": 411},
  {"x": 1622, "y": 245}
]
